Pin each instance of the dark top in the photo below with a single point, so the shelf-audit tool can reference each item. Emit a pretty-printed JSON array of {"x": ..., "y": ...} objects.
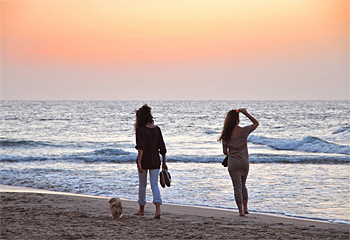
[{"x": 150, "y": 140}]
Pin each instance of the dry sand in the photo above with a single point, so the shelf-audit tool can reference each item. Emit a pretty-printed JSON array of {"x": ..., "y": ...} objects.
[{"x": 27, "y": 214}]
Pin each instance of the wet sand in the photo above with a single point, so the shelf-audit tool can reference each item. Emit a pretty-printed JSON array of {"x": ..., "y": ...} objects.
[{"x": 35, "y": 214}]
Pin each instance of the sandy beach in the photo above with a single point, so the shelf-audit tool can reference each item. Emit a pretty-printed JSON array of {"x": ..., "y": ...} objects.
[{"x": 35, "y": 214}]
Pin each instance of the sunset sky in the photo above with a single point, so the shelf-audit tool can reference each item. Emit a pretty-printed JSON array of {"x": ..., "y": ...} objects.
[{"x": 175, "y": 50}]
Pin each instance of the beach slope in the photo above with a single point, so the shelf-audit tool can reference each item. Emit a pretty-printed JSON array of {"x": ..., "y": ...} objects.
[{"x": 33, "y": 214}]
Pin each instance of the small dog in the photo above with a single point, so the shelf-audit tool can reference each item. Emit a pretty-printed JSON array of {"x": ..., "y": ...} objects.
[{"x": 116, "y": 207}]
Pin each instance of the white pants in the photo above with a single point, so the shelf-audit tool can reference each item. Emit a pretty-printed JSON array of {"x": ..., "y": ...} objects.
[{"x": 153, "y": 175}]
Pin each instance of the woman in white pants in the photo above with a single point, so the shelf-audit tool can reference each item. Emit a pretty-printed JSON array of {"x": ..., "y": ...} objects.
[{"x": 149, "y": 143}]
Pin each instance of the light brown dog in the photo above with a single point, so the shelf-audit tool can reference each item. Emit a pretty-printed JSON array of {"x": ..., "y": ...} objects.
[{"x": 116, "y": 207}]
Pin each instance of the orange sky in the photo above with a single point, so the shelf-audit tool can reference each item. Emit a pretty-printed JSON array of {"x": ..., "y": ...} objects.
[
  {"x": 109, "y": 31},
  {"x": 174, "y": 49}
]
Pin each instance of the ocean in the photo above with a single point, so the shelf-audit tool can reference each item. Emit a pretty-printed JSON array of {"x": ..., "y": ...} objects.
[{"x": 299, "y": 154}]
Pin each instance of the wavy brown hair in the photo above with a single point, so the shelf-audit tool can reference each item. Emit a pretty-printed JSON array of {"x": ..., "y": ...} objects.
[
  {"x": 231, "y": 120},
  {"x": 143, "y": 116}
]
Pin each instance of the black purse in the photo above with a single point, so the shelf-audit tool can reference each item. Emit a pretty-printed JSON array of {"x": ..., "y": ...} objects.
[{"x": 224, "y": 163}]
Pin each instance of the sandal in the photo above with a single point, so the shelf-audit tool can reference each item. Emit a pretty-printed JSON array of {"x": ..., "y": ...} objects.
[
  {"x": 167, "y": 177},
  {"x": 161, "y": 179}
]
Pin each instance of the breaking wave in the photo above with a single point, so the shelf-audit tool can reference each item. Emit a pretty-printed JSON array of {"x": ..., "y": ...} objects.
[{"x": 307, "y": 144}]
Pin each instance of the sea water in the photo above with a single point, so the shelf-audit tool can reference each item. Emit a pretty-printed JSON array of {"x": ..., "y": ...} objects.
[{"x": 299, "y": 154}]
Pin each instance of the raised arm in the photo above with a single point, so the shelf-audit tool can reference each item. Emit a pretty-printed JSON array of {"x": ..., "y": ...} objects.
[{"x": 251, "y": 118}]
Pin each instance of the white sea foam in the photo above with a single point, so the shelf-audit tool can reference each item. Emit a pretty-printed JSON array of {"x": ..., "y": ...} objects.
[{"x": 307, "y": 144}]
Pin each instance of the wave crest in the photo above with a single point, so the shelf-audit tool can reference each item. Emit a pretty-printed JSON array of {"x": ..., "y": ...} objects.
[
  {"x": 307, "y": 144},
  {"x": 25, "y": 143},
  {"x": 342, "y": 129}
]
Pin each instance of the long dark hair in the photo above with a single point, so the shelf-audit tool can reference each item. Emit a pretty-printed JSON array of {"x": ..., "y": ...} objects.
[
  {"x": 143, "y": 116},
  {"x": 231, "y": 120}
]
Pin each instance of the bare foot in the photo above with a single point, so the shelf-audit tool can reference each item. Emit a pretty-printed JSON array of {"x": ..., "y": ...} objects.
[
  {"x": 139, "y": 213},
  {"x": 246, "y": 212},
  {"x": 157, "y": 215}
]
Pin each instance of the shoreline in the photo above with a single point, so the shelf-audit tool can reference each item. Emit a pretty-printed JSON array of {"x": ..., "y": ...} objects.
[
  {"x": 28, "y": 213},
  {"x": 10, "y": 188},
  {"x": 169, "y": 206}
]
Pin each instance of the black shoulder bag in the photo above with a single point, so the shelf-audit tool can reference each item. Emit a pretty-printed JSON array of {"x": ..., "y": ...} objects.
[{"x": 224, "y": 163}]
